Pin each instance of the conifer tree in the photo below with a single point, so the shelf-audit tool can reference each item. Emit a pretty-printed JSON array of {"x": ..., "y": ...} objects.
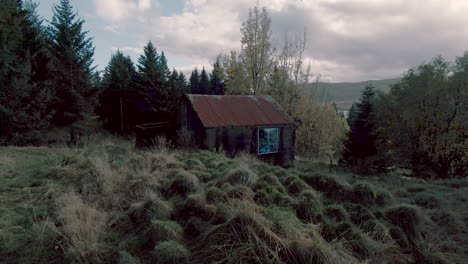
[
  {"x": 195, "y": 82},
  {"x": 217, "y": 85},
  {"x": 72, "y": 57},
  {"x": 24, "y": 75},
  {"x": 153, "y": 99},
  {"x": 182, "y": 83},
  {"x": 204, "y": 85},
  {"x": 116, "y": 104},
  {"x": 163, "y": 67},
  {"x": 360, "y": 144}
]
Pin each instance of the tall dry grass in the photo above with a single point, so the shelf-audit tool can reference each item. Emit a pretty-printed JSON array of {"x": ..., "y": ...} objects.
[{"x": 83, "y": 227}]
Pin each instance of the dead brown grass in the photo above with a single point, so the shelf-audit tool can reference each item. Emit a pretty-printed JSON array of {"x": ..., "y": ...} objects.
[{"x": 83, "y": 227}]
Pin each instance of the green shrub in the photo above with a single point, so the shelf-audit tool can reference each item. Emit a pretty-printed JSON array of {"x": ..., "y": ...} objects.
[{"x": 170, "y": 252}]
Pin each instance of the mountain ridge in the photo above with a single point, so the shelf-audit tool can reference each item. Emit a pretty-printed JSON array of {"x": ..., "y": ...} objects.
[{"x": 343, "y": 94}]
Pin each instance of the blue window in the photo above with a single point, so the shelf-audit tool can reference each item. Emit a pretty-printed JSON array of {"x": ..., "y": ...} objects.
[{"x": 268, "y": 140}]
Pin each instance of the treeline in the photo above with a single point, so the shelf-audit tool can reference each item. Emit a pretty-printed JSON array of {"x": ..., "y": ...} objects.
[
  {"x": 421, "y": 124},
  {"x": 49, "y": 89},
  {"x": 46, "y": 78}
]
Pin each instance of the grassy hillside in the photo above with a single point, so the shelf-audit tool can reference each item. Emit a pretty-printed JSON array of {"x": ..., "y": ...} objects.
[
  {"x": 111, "y": 204},
  {"x": 344, "y": 94}
]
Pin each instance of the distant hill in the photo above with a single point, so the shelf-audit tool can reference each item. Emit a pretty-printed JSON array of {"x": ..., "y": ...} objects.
[{"x": 345, "y": 93}]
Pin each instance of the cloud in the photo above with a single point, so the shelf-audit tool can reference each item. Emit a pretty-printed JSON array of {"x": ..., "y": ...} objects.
[
  {"x": 119, "y": 13},
  {"x": 348, "y": 40},
  {"x": 134, "y": 50}
]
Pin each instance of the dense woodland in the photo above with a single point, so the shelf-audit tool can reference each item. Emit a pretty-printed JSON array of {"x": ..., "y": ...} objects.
[{"x": 50, "y": 92}]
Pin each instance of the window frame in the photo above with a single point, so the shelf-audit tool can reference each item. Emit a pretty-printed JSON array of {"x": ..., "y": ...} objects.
[{"x": 277, "y": 140}]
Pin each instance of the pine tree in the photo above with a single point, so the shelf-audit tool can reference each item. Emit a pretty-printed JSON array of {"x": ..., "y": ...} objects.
[
  {"x": 149, "y": 71},
  {"x": 24, "y": 79},
  {"x": 361, "y": 144},
  {"x": 195, "y": 82},
  {"x": 154, "y": 103},
  {"x": 116, "y": 105},
  {"x": 204, "y": 85},
  {"x": 72, "y": 58},
  {"x": 182, "y": 83},
  {"x": 217, "y": 85},
  {"x": 163, "y": 67}
]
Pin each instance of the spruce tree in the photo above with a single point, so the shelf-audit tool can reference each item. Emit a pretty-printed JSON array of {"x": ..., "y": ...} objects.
[
  {"x": 153, "y": 102},
  {"x": 195, "y": 82},
  {"x": 204, "y": 85},
  {"x": 360, "y": 144},
  {"x": 72, "y": 57},
  {"x": 116, "y": 105},
  {"x": 24, "y": 78},
  {"x": 217, "y": 85},
  {"x": 182, "y": 83},
  {"x": 165, "y": 72}
]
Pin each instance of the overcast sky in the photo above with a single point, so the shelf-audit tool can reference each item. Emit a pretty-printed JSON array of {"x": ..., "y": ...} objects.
[{"x": 348, "y": 40}]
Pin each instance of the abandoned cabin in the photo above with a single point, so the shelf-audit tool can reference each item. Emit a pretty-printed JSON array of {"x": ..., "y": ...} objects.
[{"x": 240, "y": 123}]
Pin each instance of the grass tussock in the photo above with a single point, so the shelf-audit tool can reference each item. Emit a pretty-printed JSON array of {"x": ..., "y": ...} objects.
[
  {"x": 242, "y": 175},
  {"x": 111, "y": 203},
  {"x": 83, "y": 226}
]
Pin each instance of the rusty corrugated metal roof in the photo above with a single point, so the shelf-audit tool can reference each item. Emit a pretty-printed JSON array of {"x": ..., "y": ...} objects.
[{"x": 237, "y": 110}]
